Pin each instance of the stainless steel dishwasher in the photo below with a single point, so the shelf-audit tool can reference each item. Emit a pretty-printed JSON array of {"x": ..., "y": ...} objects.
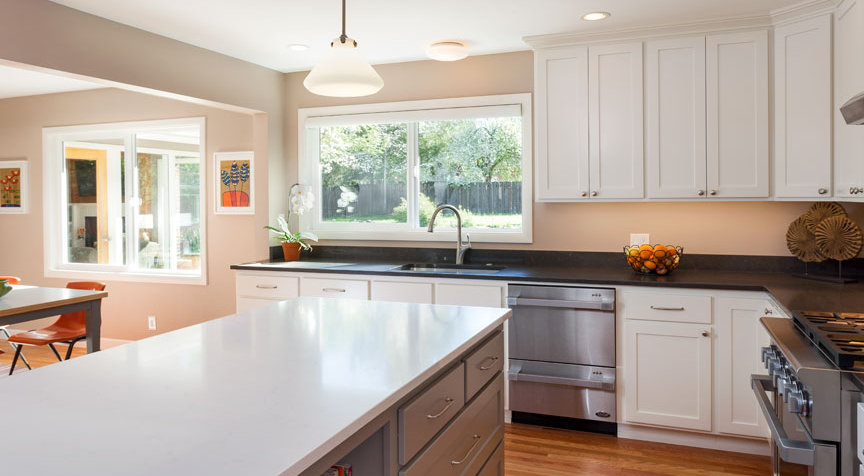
[{"x": 562, "y": 357}]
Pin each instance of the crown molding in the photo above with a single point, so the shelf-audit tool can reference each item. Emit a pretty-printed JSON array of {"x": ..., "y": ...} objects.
[{"x": 728, "y": 24}]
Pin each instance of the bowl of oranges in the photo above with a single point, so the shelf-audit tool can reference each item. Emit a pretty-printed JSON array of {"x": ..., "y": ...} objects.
[{"x": 653, "y": 259}]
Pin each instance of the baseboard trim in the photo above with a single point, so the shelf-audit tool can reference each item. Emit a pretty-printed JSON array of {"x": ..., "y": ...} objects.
[{"x": 752, "y": 446}]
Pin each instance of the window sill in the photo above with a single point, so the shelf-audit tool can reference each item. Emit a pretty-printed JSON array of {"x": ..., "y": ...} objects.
[{"x": 127, "y": 276}]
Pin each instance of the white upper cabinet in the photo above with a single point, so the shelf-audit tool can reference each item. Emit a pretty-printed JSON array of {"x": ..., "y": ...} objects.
[
  {"x": 561, "y": 115},
  {"x": 803, "y": 109},
  {"x": 675, "y": 118},
  {"x": 737, "y": 115},
  {"x": 848, "y": 82},
  {"x": 615, "y": 120}
]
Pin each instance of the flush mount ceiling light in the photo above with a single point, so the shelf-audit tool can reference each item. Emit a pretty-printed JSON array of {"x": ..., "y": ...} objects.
[
  {"x": 447, "y": 50},
  {"x": 298, "y": 47},
  {"x": 594, "y": 16},
  {"x": 343, "y": 72}
]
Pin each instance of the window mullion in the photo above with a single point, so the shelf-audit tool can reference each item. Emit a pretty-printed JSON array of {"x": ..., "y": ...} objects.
[
  {"x": 413, "y": 179},
  {"x": 133, "y": 202}
]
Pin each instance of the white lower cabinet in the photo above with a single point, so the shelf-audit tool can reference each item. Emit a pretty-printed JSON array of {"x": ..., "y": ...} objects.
[
  {"x": 401, "y": 291},
  {"x": 463, "y": 294},
  {"x": 739, "y": 338},
  {"x": 667, "y": 370},
  {"x": 334, "y": 288}
]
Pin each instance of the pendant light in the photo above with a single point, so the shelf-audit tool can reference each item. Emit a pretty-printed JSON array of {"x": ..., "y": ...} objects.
[{"x": 343, "y": 72}]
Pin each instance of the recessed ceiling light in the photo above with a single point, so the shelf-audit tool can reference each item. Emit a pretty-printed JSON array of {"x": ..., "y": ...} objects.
[
  {"x": 447, "y": 50},
  {"x": 594, "y": 16},
  {"x": 298, "y": 47}
]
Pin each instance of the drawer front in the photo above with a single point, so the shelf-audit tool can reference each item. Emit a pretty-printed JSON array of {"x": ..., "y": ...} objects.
[
  {"x": 469, "y": 295},
  {"x": 334, "y": 288},
  {"x": 426, "y": 414},
  {"x": 483, "y": 364},
  {"x": 394, "y": 291},
  {"x": 495, "y": 465},
  {"x": 469, "y": 441},
  {"x": 667, "y": 307},
  {"x": 268, "y": 287}
]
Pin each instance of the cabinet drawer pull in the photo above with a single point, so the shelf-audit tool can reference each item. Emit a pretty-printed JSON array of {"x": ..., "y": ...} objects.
[
  {"x": 661, "y": 308},
  {"x": 333, "y": 290},
  {"x": 470, "y": 450},
  {"x": 706, "y": 334},
  {"x": 491, "y": 360},
  {"x": 446, "y": 407},
  {"x": 266, "y": 286}
]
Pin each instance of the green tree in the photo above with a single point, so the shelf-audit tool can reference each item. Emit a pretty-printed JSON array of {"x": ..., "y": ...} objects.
[{"x": 363, "y": 154}]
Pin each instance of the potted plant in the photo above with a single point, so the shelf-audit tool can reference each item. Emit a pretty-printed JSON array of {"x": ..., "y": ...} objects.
[{"x": 292, "y": 243}]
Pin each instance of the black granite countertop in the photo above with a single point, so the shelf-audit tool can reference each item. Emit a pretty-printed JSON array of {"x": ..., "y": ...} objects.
[{"x": 790, "y": 291}]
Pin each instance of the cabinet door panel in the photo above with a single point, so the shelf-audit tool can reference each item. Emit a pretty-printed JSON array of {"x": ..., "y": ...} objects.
[
  {"x": 737, "y": 122},
  {"x": 397, "y": 291},
  {"x": 675, "y": 89},
  {"x": 803, "y": 109},
  {"x": 561, "y": 112},
  {"x": 740, "y": 338},
  {"x": 668, "y": 374},
  {"x": 848, "y": 82},
  {"x": 615, "y": 120},
  {"x": 469, "y": 295}
]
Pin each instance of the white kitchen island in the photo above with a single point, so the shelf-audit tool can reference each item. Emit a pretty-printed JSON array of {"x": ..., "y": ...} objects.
[{"x": 281, "y": 389}]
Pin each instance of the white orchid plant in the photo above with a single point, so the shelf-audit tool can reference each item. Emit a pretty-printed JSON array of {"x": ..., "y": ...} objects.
[{"x": 284, "y": 234}]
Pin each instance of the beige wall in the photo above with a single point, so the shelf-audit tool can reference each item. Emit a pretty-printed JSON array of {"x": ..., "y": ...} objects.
[
  {"x": 747, "y": 228},
  {"x": 230, "y": 239}
]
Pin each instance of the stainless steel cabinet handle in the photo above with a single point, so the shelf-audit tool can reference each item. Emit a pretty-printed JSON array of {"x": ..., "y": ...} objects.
[
  {"x": 584, "y": 194},
  {"x": 823, "y": 191},
  {"x": 266, "y": 286},
  {"x": 594, "y": 193},
  {"x": 333, "y": 290},
  {"x": 449, "y": 402},
  {"x": 470, "y": 450},
  {"x": 562, "y": 303},
  {"x": 713, "y": 192},
  {"x": 706, "y": 334},
  {"x": 700, "y": 193},
  {"x": 605, "y": 383},
  {"x": 491, "y": 360},
  {"x": 662, "y": 308},
  {"x": 768, "y": 311}
]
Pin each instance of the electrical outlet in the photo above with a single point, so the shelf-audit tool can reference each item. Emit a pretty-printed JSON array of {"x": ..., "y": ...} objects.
[
  {"x": 151, "y": 323},
  {"x": 639, "y": 239}
]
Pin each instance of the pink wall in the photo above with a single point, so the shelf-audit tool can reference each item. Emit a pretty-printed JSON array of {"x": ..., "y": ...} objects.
[
  {"x": 745, "y": 228},
  {"x": 230, "y": 239}
]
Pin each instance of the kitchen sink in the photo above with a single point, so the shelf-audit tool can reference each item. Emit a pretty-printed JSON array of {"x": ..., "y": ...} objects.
[{"x": 449, "y": 268}]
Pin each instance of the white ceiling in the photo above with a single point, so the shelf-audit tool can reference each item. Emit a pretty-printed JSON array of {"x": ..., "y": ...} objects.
[
  {"x": 392, "y": 30},
  {"x": 15, "y": 82}
]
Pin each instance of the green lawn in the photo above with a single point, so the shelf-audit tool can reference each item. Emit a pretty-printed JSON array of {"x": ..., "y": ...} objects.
[{"x": 445, "y": 221}]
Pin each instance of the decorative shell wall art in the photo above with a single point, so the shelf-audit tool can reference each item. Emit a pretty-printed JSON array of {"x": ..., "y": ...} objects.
[
  {"x": 820, "y": 211},
  {"x": 802, "y": 242},
  {"x": 838, "y": 238}
]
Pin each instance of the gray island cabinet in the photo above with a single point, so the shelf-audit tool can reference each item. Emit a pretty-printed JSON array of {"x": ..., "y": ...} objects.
[{"x": 285, "y": 389}]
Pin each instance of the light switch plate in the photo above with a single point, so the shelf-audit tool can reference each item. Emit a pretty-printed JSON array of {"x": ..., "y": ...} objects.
[{"x": 639, "y": 239}]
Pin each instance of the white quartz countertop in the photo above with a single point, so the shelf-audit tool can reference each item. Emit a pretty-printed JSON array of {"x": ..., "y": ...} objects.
[{"x": 265, "y": 392}]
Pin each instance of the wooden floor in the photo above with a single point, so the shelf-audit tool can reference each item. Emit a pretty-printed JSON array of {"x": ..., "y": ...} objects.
[
  {"x": 535, "y": 451},
  {"x": 38, "y": 356}
]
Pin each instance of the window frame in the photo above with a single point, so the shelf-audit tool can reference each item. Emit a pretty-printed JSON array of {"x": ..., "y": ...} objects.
[
  {"x": 55, "y": 196},
  {"x": 309, "y": 172}
]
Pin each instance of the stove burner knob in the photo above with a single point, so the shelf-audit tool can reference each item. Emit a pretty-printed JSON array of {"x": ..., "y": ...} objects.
[
  {"x": 767, "y": 353},
  {"x": 795, "y": 399},
  {"x": 783, "y": 386}
]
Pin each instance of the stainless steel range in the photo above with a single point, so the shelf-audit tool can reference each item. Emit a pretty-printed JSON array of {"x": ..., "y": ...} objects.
[{"x": 809, "y": 399}]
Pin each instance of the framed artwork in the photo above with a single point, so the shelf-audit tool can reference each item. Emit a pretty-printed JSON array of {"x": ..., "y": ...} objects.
[
  {"x": 235, "y": 183},
  {"x": 13, "y": 186}
]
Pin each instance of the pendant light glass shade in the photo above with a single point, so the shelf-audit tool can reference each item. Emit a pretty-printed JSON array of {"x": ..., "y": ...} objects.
[{"x": 343, "y": 73}]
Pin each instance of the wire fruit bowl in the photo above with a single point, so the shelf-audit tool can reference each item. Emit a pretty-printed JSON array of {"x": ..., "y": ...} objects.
[{"x": 653, "y": 259}]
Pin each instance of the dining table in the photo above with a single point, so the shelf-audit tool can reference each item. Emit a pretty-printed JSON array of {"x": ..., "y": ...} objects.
[{"x": 27, "y": 303}]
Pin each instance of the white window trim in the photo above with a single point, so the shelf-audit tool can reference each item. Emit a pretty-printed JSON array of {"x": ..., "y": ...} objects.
[
  {"x": 308, "y": 171},
  {"x": 54, "y": 222}
]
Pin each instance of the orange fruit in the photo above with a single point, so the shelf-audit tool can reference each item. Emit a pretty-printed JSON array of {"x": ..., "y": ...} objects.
[
  {"x": 649, "y": 264},
  {"x": 672, "y": 251},
  {"x": 659, "y": 253},
  {"x": 645, "y": 248},
  {"x": 645, "y": 254},
  {"x": 634, "y": 252},
  {"x": 659, "y": 248},
  {"x": 662, "y": 271}
]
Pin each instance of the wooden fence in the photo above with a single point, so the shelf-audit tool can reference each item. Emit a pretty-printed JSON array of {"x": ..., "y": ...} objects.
[{"x": 381, "y": 198}]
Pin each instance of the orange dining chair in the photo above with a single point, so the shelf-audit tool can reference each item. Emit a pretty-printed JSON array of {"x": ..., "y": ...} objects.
[
  {"x": 3, "y": 329},
  {"x": 70, "y": 328}
]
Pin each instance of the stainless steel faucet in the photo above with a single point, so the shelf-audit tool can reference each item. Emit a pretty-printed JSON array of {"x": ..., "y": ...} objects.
[{"x": 461, "y": 248}]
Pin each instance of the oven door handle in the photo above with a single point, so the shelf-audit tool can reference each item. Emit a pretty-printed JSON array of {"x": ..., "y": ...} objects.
[
  {"x": 606, "y": 383},
  {"x": 791, "y": 451},
  {"x": 561, "y": 303}
]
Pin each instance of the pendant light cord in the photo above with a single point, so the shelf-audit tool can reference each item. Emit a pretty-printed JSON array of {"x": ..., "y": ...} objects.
[{"x": 343, "y": 37}]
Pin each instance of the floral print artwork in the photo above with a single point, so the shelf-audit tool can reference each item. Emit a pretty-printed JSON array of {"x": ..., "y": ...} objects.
[{"x": 10, "y": 188}]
